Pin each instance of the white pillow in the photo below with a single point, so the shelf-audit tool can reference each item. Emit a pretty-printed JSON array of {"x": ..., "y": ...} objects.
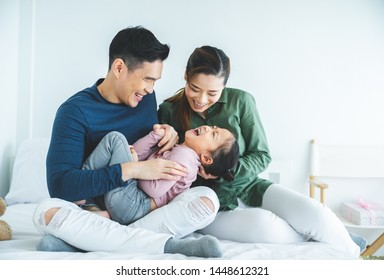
[{"x": 28, "y": 183}]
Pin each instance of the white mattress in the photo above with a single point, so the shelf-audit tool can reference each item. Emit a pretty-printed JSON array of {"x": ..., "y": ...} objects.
[{"x": 25, "y": 238}]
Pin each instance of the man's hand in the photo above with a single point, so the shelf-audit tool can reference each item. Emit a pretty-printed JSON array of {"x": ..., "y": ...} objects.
[
  {"x": 170, "y": 137},
  {"x": 152, "y": 170}
]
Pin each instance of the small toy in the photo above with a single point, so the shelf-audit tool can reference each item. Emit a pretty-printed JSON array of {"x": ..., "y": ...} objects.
[{"x": 5, "y": 229}]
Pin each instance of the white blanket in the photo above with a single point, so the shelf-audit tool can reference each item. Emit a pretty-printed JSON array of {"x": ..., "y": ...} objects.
[{"x": 25, "y": 237}]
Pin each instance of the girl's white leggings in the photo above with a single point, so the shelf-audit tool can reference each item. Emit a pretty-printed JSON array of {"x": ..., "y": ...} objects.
[
  {"x": 91, "y": 232},
  {"x": 285, "y": 216}
]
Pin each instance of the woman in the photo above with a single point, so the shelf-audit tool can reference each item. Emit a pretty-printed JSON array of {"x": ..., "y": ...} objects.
[{"x": 275, "y": 214}]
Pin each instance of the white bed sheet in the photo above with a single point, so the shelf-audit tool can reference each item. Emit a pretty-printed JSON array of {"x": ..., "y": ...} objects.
[{"x": 25, "y": 237}]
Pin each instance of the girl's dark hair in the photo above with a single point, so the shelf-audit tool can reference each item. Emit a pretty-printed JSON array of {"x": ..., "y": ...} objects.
[
  {"x": 204, "y": 60},
  {"x": 225, "y": 159},
  {"x": 136, "y": 45}
]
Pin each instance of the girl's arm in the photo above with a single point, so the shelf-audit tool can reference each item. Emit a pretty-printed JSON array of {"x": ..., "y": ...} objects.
[{"x": 147, "y": 145}]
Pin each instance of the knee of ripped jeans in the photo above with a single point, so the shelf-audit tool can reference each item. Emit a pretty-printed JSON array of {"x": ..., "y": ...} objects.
[
  {"x": 45, "y": 211},
  {"x": 208, "y": 197},
  {"x": 209, "y": 203},
  {"x": 203, "y": 210},
  {"x": 48, "y": 215},
  {"x": 43, "y": 218}
]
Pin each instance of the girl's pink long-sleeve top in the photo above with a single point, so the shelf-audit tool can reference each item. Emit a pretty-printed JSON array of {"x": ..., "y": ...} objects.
[{"x": 163, "y": 191}]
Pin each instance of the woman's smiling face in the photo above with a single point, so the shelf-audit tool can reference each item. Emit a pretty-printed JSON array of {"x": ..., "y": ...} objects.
[{"x": 203, "y": 91}]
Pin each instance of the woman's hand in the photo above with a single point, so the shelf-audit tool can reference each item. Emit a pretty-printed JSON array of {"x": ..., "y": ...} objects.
[
  {"x": 205, "y": 175},
  {"x": 169, "y": 139}
]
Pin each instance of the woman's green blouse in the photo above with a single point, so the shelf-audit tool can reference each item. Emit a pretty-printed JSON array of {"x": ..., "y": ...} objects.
[{"x": 235, "y": 110}]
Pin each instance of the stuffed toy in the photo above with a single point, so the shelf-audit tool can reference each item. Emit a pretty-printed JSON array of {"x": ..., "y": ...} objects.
[{"x": 5, "y": 229}]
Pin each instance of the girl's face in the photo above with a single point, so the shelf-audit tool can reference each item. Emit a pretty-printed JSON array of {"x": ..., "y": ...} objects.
[
  {"x": 206, "y": 139},
  {"x": 203, "y": 91}
]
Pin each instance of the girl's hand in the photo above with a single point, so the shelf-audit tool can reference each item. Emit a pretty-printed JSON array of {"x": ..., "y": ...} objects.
[
  {"x": 170, "y": 137},
  {"x": 159, "y": 130},
  {"x": 205, "y": 175}
]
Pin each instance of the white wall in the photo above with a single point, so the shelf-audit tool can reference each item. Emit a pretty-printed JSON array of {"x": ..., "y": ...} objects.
[
  {"x": 315, "y": 67},
  {"x": 9, "y": 25}
]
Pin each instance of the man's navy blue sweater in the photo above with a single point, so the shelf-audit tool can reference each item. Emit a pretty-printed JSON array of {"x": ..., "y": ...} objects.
[{"x": 80, "y": 123}]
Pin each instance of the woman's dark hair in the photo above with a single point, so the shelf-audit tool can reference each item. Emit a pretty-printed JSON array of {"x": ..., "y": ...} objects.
[
  {"x": 136, "y": 45},
  {"x": 204, "y": 60},
  {"x": 225, "y": 159}
]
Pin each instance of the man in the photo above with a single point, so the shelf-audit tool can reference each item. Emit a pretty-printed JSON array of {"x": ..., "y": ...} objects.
[{"x": 125, "y": 102}]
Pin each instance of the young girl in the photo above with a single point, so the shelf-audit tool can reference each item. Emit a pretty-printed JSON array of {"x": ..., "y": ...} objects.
[{"x": 214, "y": 148}]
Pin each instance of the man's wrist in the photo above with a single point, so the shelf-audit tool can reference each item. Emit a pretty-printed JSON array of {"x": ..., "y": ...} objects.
[{"x": 128, "y": 170}]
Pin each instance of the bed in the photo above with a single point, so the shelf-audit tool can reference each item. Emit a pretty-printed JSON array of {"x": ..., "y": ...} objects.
[{"x": 28, "y": 187}]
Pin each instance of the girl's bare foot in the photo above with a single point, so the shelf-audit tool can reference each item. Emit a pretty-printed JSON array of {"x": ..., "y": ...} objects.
[
  {"x": 97, "y": 211},
  {"x": 102, "y": 213}
]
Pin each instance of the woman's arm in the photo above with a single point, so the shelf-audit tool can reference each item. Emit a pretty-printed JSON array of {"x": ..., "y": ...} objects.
[{"x": 256, "y": 156}]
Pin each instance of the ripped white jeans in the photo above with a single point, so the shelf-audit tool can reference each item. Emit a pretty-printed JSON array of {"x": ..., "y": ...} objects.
[
  {"x": 90, "y": 232},
  {"x": 185, "y": 214}
]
